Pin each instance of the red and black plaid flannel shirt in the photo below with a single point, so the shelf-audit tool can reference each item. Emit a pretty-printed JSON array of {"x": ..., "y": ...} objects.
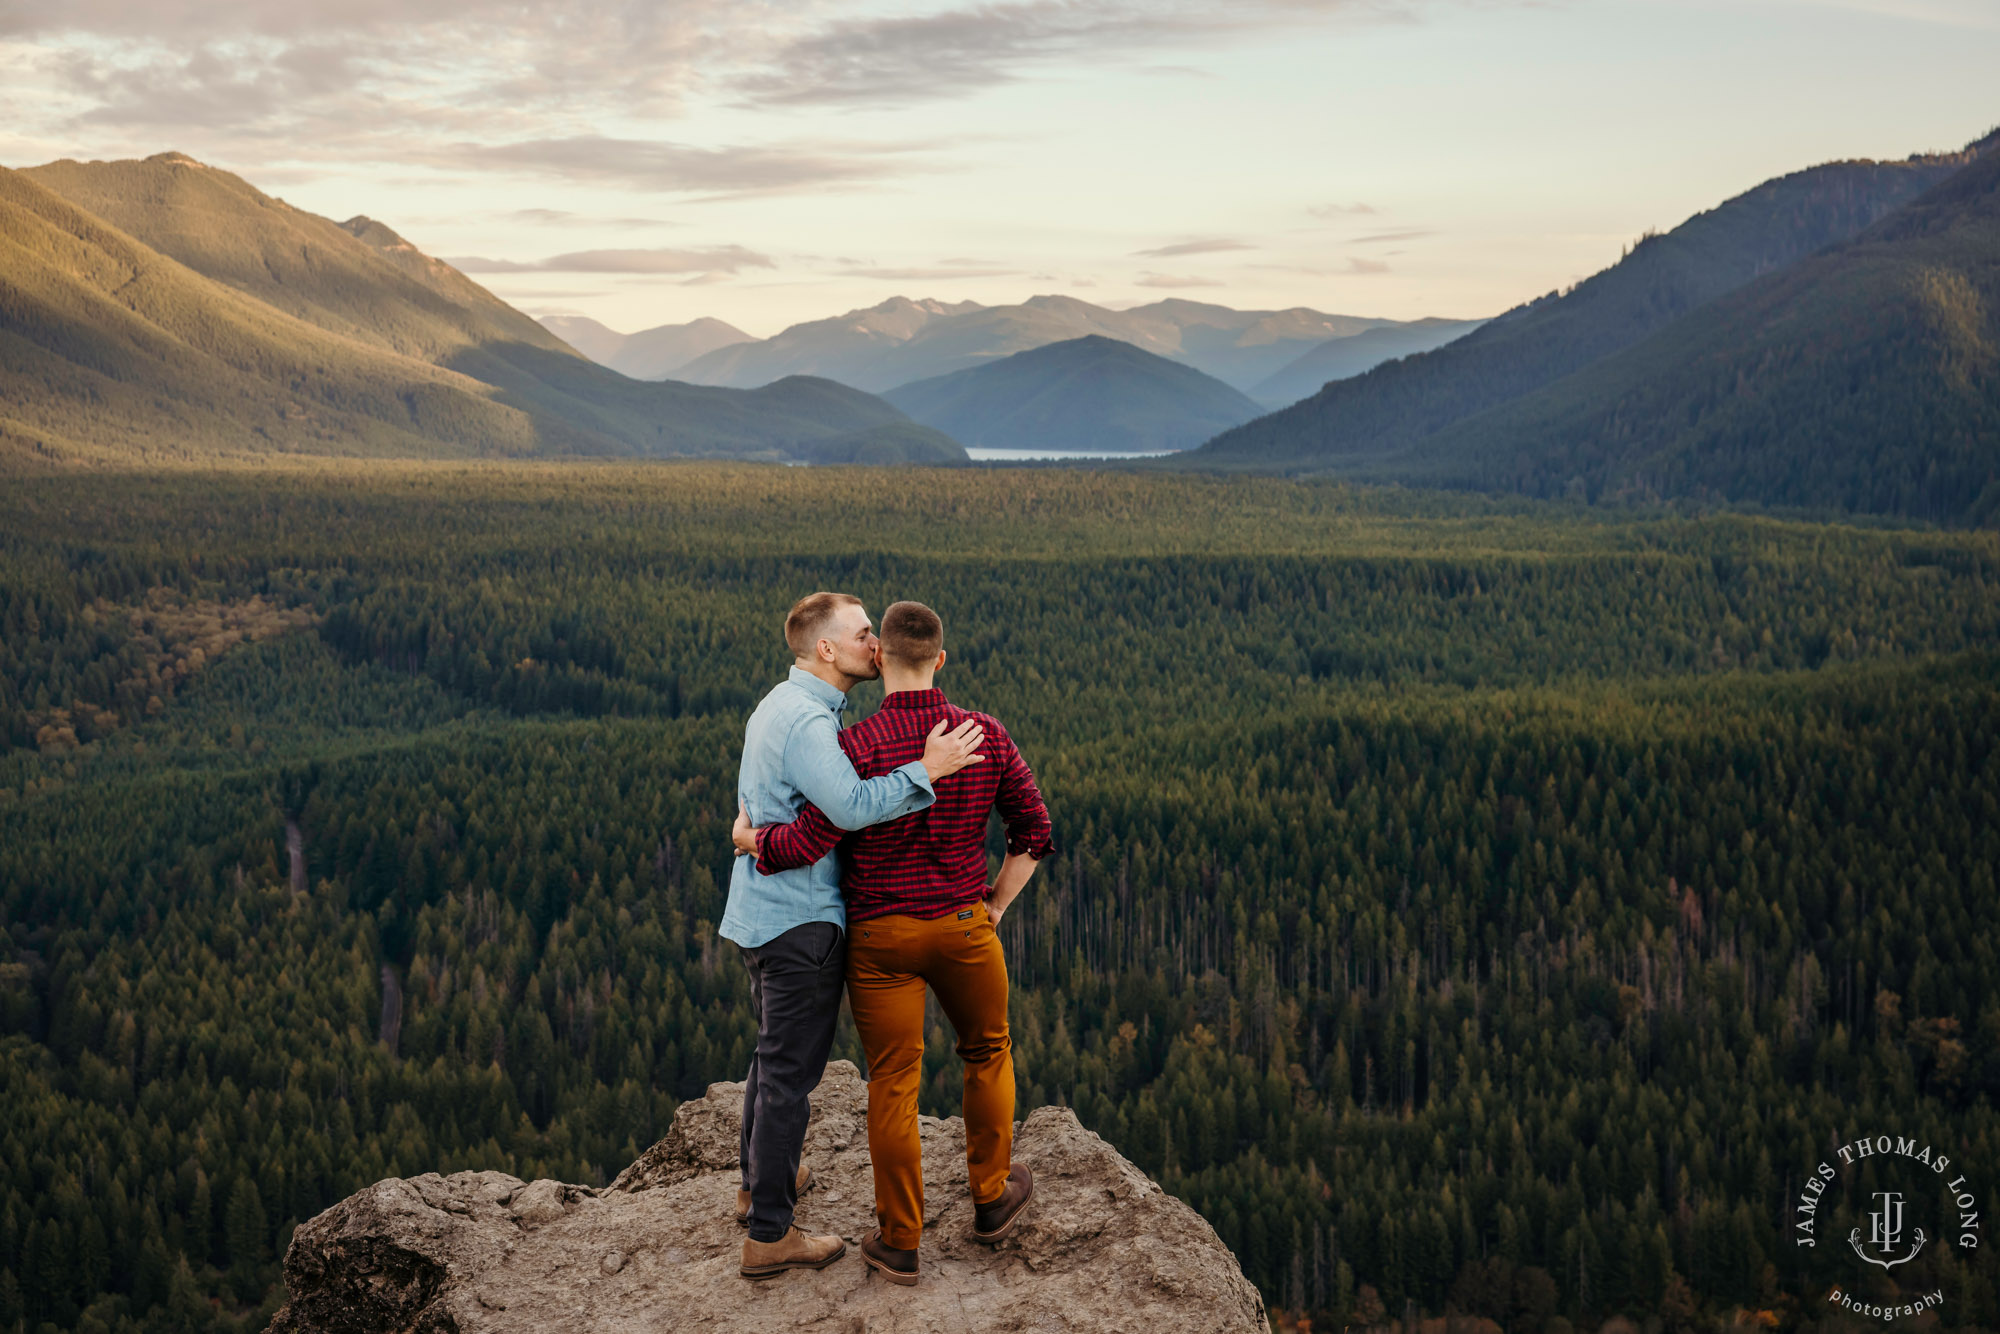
[{"x": 932, "y": 861}]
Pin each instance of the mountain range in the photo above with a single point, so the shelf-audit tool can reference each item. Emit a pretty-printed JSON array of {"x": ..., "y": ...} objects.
[
  {"x": 1092, "y": 393},
  {"x": 902, "y": 340},
  {"x": 882, "y": 346},
  {"x": 1828, "y": 339},
  {"x": 1823, "y": 339},
  {"x": 650, "y": 354},
  {"x": 163, "y": 309}
]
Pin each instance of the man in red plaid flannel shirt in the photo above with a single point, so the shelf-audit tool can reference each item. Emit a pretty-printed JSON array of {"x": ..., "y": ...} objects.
[{"x": 920, "y": 913}]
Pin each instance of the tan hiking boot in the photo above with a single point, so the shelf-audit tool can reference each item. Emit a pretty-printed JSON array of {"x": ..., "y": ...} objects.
[
  {"x": 794, "y": 1250},
  {"x": 894, "y": 1265},
  {"x": 996, "y": 1219},
  {"x": 743, "y": 1196}
]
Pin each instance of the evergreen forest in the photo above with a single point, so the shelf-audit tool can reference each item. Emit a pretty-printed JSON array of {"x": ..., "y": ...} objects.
[{"x": 1474, "y": 906}]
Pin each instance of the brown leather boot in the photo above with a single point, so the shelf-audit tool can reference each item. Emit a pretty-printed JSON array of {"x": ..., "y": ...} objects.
[
  {"x": 794, "y": 1250},
  {"x": 894, "y": 1265},
  {"x": 743, "y": 1196},
  {"x": 994, "y": 1220}
]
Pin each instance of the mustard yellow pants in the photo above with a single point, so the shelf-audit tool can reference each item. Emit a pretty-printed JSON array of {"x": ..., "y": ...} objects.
[{"x": 890, "y": 960}]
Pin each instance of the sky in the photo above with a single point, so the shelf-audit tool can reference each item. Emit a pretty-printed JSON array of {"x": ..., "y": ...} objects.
[{"x": 654, "y": 161}]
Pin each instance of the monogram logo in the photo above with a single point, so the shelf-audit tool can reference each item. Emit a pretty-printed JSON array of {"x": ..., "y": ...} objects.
[
  {"x": 1885, "y": 1232},
  {"x": 1895, "y": 1234}
]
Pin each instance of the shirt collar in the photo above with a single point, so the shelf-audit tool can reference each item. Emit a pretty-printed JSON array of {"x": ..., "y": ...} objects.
[
  {"x": 914, "y": 699},
  {"x": 818, "y": 689}
]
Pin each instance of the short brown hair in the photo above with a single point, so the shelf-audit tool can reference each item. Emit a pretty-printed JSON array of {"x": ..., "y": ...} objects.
[
  {"x": 912, "y": 634},
  {"x": 808, "y": 617}
]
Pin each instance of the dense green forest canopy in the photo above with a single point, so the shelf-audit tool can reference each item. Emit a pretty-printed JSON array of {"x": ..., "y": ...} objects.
[{"x": 1469, "y": 904}]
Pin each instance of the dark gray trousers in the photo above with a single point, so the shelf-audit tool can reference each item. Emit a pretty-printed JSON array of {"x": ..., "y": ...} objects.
[{"x": 795, "y": 982}]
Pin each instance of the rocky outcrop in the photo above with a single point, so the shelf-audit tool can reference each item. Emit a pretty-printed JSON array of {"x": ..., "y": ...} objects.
[{"x": 1101, "y": 1249}]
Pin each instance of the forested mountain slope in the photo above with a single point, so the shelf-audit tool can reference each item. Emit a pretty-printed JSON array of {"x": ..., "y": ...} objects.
[
  {"x": 1354, "y": 354},
  {"x": 110, "y": 349},
  {"x": 1865, "y": 378},
  {"x": 360, "y": 279},
  {"x": 384, "y": 303},
  {"x": 1663, "y": 278}
]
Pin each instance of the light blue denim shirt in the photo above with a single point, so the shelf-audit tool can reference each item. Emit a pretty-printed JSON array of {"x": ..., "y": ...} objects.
[{"x": 791, "y": 755}]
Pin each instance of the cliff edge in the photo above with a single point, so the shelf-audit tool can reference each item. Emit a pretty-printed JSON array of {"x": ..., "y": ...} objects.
[{"x": 1101, "y": 1249}]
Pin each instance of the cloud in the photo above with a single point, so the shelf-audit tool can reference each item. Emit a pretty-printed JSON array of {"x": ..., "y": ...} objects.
[
  {"x": 1169, "y": 280},
  {"x": 646, "y": 57},
  {"x": 719, "y": 259},
  {"x": 188, "y": 17},
  {"x": 1195, "y": 248},
  {"x": 208, "y": 84},
  {"x": 1383, "y": 238},
  {"x": 1357, "y": 265},
  {"x": 902, "y": 58},
  {"x": 572, "y": 90},
  {"x": 1333, "y": 211},
  {"x": 662, "y": 165},
  {"x": 450, "y": 86},
  {"x": 556, "y": 217},
  {"x": 939, "y": 273},
  {"x": 478, "y": 264}
]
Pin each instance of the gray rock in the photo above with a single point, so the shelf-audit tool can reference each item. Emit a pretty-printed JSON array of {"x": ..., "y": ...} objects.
[
  {"x": 542, "y": 1202},
  {"x": 1102, "y": 1250}
]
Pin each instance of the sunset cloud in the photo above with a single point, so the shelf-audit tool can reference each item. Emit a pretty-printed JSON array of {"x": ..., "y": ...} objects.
[
  {"x": 683, "y": 168},
  {"x": 557, "y": 217},
  {"x": 1384, "y": 238},
  {"x": 1194, "y": 248},
  {"x": 1170, "y": 280},
  {"x": 721, "y": 259},
  {"x": 936, "y": 273}
]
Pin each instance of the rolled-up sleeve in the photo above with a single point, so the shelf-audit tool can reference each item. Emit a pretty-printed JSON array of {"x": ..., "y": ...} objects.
[
  {"x": 1022, "y": 809},
  {"x": 826, "y": 777}
]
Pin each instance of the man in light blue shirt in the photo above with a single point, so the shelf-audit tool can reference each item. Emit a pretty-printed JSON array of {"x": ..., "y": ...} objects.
[{"x": 792, "y": 926}]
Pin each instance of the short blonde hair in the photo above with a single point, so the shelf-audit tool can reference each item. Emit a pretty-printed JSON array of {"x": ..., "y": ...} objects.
[{"x": 806, "y": 621}]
